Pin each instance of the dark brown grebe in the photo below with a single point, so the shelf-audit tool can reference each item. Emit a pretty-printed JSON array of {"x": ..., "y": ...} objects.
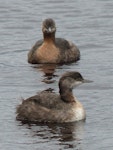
[{"x": 51, "y": 49}]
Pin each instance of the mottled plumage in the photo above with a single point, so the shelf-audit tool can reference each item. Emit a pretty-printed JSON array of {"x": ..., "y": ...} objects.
[{"x": 48, "y": 106}]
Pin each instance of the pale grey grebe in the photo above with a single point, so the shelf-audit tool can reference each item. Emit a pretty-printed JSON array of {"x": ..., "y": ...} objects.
[
  {"x": 51, "y": 49},
  {"x": 51, "y": 107}
]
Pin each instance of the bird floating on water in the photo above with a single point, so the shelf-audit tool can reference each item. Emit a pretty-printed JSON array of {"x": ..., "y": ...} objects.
[
  {"x": 51, "y": 49},
  {"x": 48, "y": 106}
]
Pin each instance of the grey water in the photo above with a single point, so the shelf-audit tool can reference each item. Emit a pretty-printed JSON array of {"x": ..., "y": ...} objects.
[{"x": 88, "y": 24}]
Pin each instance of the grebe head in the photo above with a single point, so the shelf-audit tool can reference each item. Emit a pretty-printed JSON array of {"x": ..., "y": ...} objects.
[
  {"x": 71, "y": 80},
  {"x": 66, "y": 84},
  {"x": 48, "y": 26}
]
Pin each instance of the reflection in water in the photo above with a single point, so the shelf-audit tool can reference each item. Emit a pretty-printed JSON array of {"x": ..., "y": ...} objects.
[
  {"x": 68, "y": 135},
  {"x": 49, "y": 70},
  {"x": 91, "y": 27}
]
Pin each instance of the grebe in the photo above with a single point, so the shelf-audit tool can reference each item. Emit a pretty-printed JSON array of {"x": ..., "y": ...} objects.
[
  {"x": 51, "y": 49},
  {"x": 48, "y": 106}
]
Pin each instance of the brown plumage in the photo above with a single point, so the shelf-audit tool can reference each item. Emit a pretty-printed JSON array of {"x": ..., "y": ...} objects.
[
  {"x": 48, "y": 106},
  {"x": 51, "y": 49}
]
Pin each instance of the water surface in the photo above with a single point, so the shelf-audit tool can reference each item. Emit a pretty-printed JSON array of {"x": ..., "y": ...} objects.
[{"x": 90, "y": 26}]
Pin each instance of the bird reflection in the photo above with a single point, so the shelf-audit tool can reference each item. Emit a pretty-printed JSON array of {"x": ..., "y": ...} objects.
[
  {"x": 48, "y": 70},
  {"x": 66, "y": 135}
]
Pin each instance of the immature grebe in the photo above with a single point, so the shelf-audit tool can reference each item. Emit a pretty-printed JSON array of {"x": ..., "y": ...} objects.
[
  {"x": 47, "y": 106},
  {"x": 51, "y": 49}
]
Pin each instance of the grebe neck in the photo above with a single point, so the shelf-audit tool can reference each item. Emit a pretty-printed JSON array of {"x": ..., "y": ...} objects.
[
  {"x": 49, "y": 37},
  {"x": 67, "y": 95}
]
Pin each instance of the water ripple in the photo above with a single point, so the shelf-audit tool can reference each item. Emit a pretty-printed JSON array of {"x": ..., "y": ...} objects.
[{"x": 90, "y": 26}]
